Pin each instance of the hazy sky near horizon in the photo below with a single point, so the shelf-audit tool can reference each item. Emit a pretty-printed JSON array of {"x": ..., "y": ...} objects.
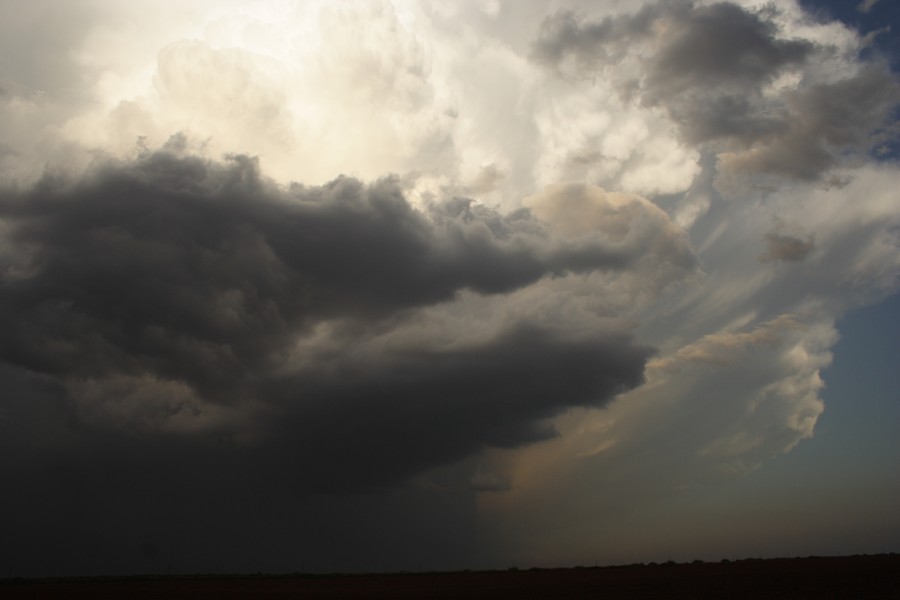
[{"x": 344, "y": 286}]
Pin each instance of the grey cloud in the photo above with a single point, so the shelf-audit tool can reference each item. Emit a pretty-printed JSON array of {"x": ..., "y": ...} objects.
[
  {"x": 720, "y": 46},
  {"x": 847, "y": 116},
  {"x": 565, "y": 35},
  {"x": 708, "y": 66},
  {"x": 488, "y": 179},
  {"x": 823, "y": 125},
  {"x": 166, "y": 296},
  {"x": 709, "y": 73},
  {"x": 786, "y": 247},
  {"x": 423, "y": 407},
  {"x": 201, "y": 269},
  {"x": 7, "y": 152},
  {"x": 41, "y": 38},
  {"x": 150, "y": 318},
  {"x": 733, "y": 117},
  {"x": 705, "y": 64}
]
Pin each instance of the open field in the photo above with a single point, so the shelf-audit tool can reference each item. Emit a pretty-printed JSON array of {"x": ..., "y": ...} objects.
[{"x": 814, "y": 577}]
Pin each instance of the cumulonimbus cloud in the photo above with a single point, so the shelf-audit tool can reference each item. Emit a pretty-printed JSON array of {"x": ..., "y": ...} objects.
[
  {"x": 541, "y": 211},
  {"x": 168, "y": 294}
]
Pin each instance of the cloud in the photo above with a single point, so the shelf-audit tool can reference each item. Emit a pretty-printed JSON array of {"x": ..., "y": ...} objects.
[
  {"x": 720, "y": 45},
  {"x": 786, "y": 247},
  {"x": 591, "y": 259},
  {"x": 486, "y": 481},
  {"x": 866, "y": 5},
  {"x": 444, "y": 404},
  {"x": 169, "y": 294},
  {"x": 718, "y": 408},
  {"x": 774, "y": 407},
  {"x": 733, "y": 82},
  {"x": 846, "y": 116}
]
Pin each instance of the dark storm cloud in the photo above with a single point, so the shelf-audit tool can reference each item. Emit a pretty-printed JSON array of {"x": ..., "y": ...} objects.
[
  {"x": 708, "y": 67},
  {"x": 88, "y": 501},
  {"x": 203, "y": 272},
  {"x": 167, "y": 295},
  {"x": 430, "y": 407}
]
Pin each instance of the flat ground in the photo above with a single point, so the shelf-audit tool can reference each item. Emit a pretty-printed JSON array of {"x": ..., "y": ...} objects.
[{"x": 857, "y": 577}]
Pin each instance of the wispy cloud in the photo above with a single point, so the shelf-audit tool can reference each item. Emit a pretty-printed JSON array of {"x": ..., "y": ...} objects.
[{"x": 866, "y": 5}]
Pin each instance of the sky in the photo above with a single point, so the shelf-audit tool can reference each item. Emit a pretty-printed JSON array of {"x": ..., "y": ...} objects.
[{"x": 379, "y": 286}]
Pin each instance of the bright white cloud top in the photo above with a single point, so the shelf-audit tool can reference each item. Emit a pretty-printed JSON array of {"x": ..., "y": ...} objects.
[{"x": 572, "y": 256}]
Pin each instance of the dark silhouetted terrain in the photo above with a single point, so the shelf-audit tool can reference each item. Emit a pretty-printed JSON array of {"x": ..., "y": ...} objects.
[{"x": 814, "y": 577}]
